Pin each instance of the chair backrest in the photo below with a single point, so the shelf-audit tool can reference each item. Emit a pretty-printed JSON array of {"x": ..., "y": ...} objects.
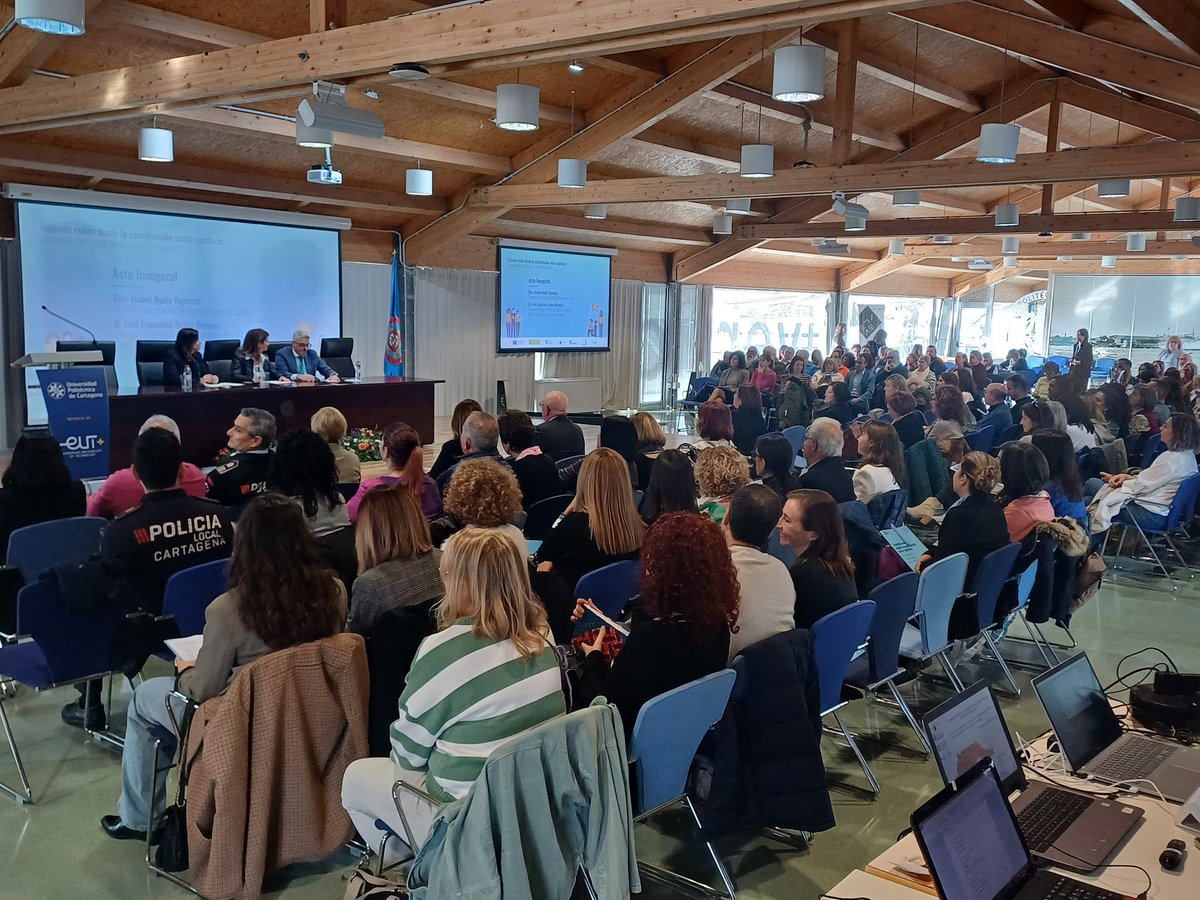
[
  {"x": 638, "y": 497},
  {"x": 777, "y": 549},
  {"x": 214, "y": 350},
  {"x": 668, "y": 731},
  {"x": 699, "y": 389},
  {"x": 1025, "y": 582},
  {"x": 1060, "y": 360},
  {"x": 928, "y": 415},
  {"x": 275, "y": 346},
  {"x": 993, "y": 571},
  {"x": 542, "y": 515},
  {"x": 189, "y": 592},
  {"x": 222, "y": 368},
  {"x": 36, "y": 549},
  {"x": 887, "y": 510},
  {"x": 894, "y": 601},
  {"x": 150, "y": 374},
  {"x": 1035, "y": 362},
  {"x": 836, "y": 638},
  {"x": 941, "y": 583},
  {"x": 1105, "y": 364},
  {"x": 795, "y": 435},
  {"x": 611, "y": 587},
  {"x": 75, "y": 645},
  {"x": 338, "y": 346},
  {"x": 1183, "y": 504},
  {"x": 981, "y": 439},
  {"x": 568, "y": 461},
  {"x": 152, "y": 351},
  {"x": 108, "y": 349},
  {"x": 1151, "y": 449}
]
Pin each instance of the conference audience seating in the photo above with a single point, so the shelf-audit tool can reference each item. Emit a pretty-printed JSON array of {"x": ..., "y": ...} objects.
[
  {"x": 37, "y": 549},
  {"x": 338, "y": 354},
  {"x": 392, "y": 645},
  {"x": 1025, "y": 582},
  {"x": 795, "y": 435},
  {"x": 611, "y": 587},
  {"x": 149, "y": 357},
  {"x": 981, "y": 439},
  {"x": 887, "y": 510},
  {"x": 541, "y": 516},
  {"x": 837, "y": 639},
  {"x": 941, "y": 583},
  {"x": 108, "y": 350},
  {"x": 993, "y": 571},
  {"x": 189, "y": 592},
  {"x": 1182, "y": 503}
]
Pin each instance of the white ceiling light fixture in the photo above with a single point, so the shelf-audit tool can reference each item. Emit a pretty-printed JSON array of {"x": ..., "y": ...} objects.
[
  {"x": 998, "y": 143},
  {"x": 318, "y": 138},
  {"x": 831, "y": 247},
  {"x": 1008, "y": 215},
  {"x": 799, "y": 73},
  {"x": 1010, "y": 245},
  {"x": 738, "y": 206},
  {"x": 942, "y": 239},
  {"x": 418, "y": 182},
  {"x": 896, "y": 247},
  {"x": 575, "y": 66},
  {"x": 1108, "y": 262},
  {"x": 595, "y": 211},
  {"x": 1010, "y": 262},
  {"x": 156, "y": 144},
  {"x": 856, "y": 223},
  {"x": 1113, "y": 187},
  {"x": 1135, "y": 242},
  {"x": 906, "y": 198},
  {"x": 980, "y": 265},
  {"x": 409, "y": 71},
  {"x": 1081, "y": 235},
  {"x": 1187, "y": 209},
  {"x": 758, "y": 161},
  {"x": 844, "y": 207},
  {"x": 51, "y": 16},
  {"x": 722, "y": 223},
  {"x": 328, "y": 109},
  {"x": 1064, "y": 258},
  {"x": 572, "y": 173},
  {"x": 518, "y": 107}
]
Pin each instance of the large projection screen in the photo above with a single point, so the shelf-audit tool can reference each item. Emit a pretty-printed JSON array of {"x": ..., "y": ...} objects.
[{"x": 553, "y": 301}]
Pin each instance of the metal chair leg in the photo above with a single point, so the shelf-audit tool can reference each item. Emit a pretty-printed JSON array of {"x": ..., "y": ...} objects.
[
  {"x": 948, "y": 668},
  {"x": 987, "y": 636},
  {"x": 27, "y": 794},
  {"x": 712, "y": 851},
  {"x": 1175, "y": 550},
  {"x": 862, "y": 760},
  {"x": 908, "y": 714},
  {"x": 155, "y": 771}
]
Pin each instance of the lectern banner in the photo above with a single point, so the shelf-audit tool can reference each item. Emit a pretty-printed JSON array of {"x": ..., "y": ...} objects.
[{"x": 77, "y": 409}]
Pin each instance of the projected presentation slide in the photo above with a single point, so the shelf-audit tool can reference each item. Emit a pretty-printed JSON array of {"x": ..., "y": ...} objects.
[
  {"x": 130, "y": 276},
  {"x": 551, "y": 300}
]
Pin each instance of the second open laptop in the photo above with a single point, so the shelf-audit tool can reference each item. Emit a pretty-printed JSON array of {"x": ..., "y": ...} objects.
[{"x": 1069, "y": 828}]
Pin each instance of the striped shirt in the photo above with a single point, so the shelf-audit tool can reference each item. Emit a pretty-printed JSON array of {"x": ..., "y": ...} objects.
[{"x": 464, "y": 697}]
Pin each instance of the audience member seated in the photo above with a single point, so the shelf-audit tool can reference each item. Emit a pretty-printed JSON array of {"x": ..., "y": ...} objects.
[
  {"x": 1018, "y": 393},
  {"x": 1024, "y": 474},
  {"x": 37, "y": 487},
  {"x": 768, "y": 598},
  {"x": 836, "y": 404},
  {"x": 1050, "y": 371},
  {"x": 887, "y": 387},
  {"x": 244, "y": 473},
  {"x": 909, "y": 424},
  {"x": 748, "y": 421},
  {"x": 1143, "y": 399},
  {"x": 774, "y": 460},
  {"x": 1113, "y": 403},
  {"x": 617, "y": 433},
  {"x": 823, "y": 574},
  {"x": 736, "y": 375},
  {"x": 923, "y": 376},
  {"x": 303, "y": 469},
  {"x": 720, "y": 365},
  {"x": 796, "y": 400},
  {"x": 714, "y": 426},
  {"x": 300, "y": 363},
  {"x": 882, "y": 468},
  {"x": 1064, "y": 484},
  {"x": 672, "y": 486},
  {"x": 764, "y": 378},
  {"x": 331, "y": 426},
  {"x": 952, "y": 418},
  {"x": 536, "y": 473},
  {"x": 719, "y": 472},
  {"x": 558, "y": 435},
  {"x": 186, "y": 355},
  {"x": 279, "y": 596},
  {"x": 998, "y": 417},
  {"x": 861, "y": 383},
  {"x": 488, "y": 675},
  {"x": 452, "y": 450},
  {"x": 402, "y": 454},
  {"x": 974, "y": 524},
  {"x": 139, "y": 554},
  {"x": 396, "y": 558},
  {"x": 650, "y": 443},
  {"x": 480, "y": 437},
  {"x": 251, "y": 365},
  {"x": 483, "y": 493},
  {"x": 823, "y": 445},
  {"x": 1080, "y": 427},
  {"x": 1094, "y": 413},
  {"x": 680, "y": 621}
]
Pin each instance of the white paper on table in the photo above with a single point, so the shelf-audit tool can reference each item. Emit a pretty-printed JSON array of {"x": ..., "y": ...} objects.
[{"x": 185, "y": 648}]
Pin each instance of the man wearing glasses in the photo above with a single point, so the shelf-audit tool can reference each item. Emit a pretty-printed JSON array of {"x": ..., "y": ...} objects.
[
  {"x": 300, "y": 362},
  {"x": 558, "y": 436}
]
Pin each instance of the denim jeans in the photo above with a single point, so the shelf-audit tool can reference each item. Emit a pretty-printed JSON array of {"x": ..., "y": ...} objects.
[{"x": 147, "y": 721}]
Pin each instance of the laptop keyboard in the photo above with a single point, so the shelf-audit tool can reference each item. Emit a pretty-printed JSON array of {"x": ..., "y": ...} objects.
[
  {"x": 1137, "y": 758},
  {"x": 1069, "y": 889},
  {"x": 1050, "y": 813}
]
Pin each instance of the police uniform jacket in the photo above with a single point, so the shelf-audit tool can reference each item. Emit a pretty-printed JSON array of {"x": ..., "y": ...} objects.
[
  {"x": 239, "y": 478},
  {"x": 169, "y": 532}
]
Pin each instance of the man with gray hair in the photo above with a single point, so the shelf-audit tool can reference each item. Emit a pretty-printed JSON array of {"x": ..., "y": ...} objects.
[
  {"x": 300, "y": 362},
  {"x": 122, "y": 491},
  {"x": 244, "y": 473},
  {"x": 480, "y": 436},
  {"x": 823, "y": 449},
  {"x": 558, "y": 436}
]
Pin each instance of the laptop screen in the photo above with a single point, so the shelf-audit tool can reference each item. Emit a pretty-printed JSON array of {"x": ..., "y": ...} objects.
[
  {"x": 971, "y": 842},
  {"x": 1078, "y": 711},
  {"x": 967, "y": 728}
]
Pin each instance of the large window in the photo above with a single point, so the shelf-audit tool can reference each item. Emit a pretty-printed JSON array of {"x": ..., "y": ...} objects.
[
  {"x": 652, "y": 381},
  {"x": 907, "y": 320},
  {"x": 742, "y": 318},
  {"x": 997, "y": 326}
]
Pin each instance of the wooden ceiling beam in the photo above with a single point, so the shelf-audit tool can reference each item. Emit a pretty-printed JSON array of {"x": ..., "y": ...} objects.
[
  {"x": 23, "y": 50},
  {"x": 326, "y": 15},
  {"x": 974, "y": 281},
  {"x": 610, "y": 228},
  {"x": 1168, "y": 79},
  {"x": 1072, "y": 13},
  {"x": 943, "y": 200},
  {"x": 1178, "y": 126},
  {"x": 845, "y": 86},
  {"x": 1172, "y": 20},
  {"x": 123, "y": 15},
  {"x": 1033, "y": 248},
  {"x": 858, "y": 278},
  {"x": 1034, "y": 224},
  {"x": 1166, "y": 159}
]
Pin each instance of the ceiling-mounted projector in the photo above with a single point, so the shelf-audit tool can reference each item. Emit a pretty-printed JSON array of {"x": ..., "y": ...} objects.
[
  {"x": 324, "y": 174},
  {"x": 409, "y": 71},
  {"x": 329, "y": 110},
  {"x": 844, "y": 207},
  {"x": 832, "y": 247}
]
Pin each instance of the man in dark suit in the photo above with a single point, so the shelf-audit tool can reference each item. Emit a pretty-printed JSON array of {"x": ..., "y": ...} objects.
[
  {"x": 480, "y": 435},
  {"x": 558, "y": 436},
  {"x": 536, "y": 472},
  {"x": 300, "y": 362},
  {"x": 1018, "y": 391},
  {"x": 998, "y": 414},
  {"x": 823, "y": 449}
]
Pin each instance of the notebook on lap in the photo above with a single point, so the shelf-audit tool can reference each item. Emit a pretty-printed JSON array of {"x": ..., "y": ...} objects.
[{"x": 1069, "y": 828}]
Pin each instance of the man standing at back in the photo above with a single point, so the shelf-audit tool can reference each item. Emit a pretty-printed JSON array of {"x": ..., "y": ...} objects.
[
  {"x": 768, "y": 596},
  {"x": 122, "y": 491},
  {"x": 558, "y": 436},
  {"x": 244, "y": 474}
]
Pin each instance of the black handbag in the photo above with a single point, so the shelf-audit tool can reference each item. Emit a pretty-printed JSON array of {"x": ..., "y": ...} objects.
[
  {"x": 171, "y": 854},
  {"x": 964, "y": 617}
]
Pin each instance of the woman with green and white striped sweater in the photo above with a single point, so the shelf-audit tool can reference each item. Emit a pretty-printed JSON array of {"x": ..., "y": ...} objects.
[{"x": 488, "y": 675}]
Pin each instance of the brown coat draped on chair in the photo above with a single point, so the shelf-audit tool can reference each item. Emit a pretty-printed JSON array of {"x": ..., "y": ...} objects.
[{"x": 267, "y": 759}]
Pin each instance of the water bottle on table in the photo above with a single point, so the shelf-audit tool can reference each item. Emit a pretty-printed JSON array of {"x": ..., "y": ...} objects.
[
  {"x": 185, "y": 378},
  {"x": 358, "y": 370}
]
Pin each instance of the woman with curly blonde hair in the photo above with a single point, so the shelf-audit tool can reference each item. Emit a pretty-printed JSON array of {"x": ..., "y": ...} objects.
[
  {"x": 482, "y": 493},
  {"x": 719, "y": 472}
]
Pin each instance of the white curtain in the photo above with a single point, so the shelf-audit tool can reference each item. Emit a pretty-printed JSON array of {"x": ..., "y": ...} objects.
[
  {"x": 455, "y": 340},
  {"x": 618, "y": 370},
  {"x": 366, "y": 303},
  {"x": 704, "y": 326}
]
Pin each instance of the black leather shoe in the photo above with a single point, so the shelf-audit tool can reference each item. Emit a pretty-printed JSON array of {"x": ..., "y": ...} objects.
[
  {"x": 114, "y": 828},
  {"x": 72, "y": 714}
]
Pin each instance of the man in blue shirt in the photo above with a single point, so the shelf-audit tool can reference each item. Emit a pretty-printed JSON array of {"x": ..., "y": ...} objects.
[{"x": 301, "y": 363}]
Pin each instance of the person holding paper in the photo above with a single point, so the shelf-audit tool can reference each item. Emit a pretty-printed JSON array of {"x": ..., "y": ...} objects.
[
  {"x": 280, "y": 595},
  {"x": 975, "y": 523}
]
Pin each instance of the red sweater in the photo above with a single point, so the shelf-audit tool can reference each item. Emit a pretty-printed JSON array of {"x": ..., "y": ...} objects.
[
  {"x": 765, "y": 381},
  {"x": 1024, "y": 513}
]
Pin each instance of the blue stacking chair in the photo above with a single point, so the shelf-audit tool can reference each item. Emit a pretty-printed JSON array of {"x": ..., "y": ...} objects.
[
  {"x": 541, "y": 516},
  {"x": 929, "y": 416},
  {"x": 611, "y": 587},
  {"x": 699, "y": 389},
  {"x": 837, "y": 639},
  {"x": 888, "y": 510},
  {"x": 993, "y": 573},
  {"x": 189, "y": 592},
  {"x": 981, "y": 439},
  {"x": 795, "y": 435},
  {"x": 66, "y": 647},
  {"x": 1061, "y": 361},
  {"x": 665, "y": 738},
  {"x": 1035, "y": 362},
  {"x": 36, "y": 549},
  {"x": 1151, "y": 450},
  {"x": 1025, "y": 583},
  {"x": 941, "y": 583},
  {"x": 777, "y": 549},
  {"x": 895, "y": 600},
  {"x": 1184, "y": 500}
]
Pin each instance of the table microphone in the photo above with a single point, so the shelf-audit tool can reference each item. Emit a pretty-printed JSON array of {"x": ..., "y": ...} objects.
[
  {"x": 69, "y": 322},
  {"x": 1172, "y": 858}
]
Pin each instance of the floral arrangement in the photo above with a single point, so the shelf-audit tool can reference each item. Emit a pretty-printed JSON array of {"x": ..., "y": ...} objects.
[{"x": 364, "y": 443}]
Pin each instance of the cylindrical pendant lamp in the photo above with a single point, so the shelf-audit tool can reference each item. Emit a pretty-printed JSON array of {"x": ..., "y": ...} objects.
[
  {"x": 518, "y": 107},
  {"x": 799, "y": 73},
  {"x": 758, "y": 161},
  {"x": 572, "y": 173},
  {"x": 998, "y": 143}
]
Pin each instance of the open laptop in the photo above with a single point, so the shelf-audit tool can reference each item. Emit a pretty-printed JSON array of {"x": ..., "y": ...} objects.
[
  {"x": 1069, "y": 828},
  {"x": 969, "y": 837},
  {"x": 1094, "y": 744}
]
